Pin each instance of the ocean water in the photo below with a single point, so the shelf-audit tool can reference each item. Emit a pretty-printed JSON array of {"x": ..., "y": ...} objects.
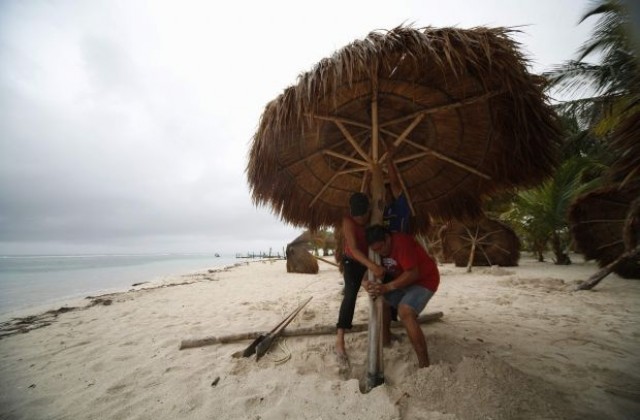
[{"x": 36, "y": 281}]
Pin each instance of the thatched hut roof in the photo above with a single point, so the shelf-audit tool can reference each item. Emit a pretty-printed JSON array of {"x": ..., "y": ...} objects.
[
  {"x": 625, "y": 171},
  {"x": 496, "y": 243},
  {"x": 598, "y": 221},
  {"x": 631, "y": 229},
  {"x": 466, "y": 116},
  {"x": 299, "y": 259}
]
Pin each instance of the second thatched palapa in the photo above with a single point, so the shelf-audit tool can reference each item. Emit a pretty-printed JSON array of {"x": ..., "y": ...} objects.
[
  {"x": 465, "y": 115},
  {"x": 481, "y": 243}
]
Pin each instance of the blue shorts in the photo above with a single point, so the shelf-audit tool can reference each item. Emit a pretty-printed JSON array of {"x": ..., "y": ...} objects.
[{"x": 415, "y": 296}]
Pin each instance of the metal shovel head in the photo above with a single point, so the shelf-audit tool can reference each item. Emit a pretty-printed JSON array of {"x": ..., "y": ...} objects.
[
  {"x": 263, "y": 346},
  {"x": 252, "y": 347}
]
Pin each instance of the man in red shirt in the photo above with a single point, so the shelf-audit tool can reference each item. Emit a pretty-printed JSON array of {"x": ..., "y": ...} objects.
[{"x": 412, "y": 279}]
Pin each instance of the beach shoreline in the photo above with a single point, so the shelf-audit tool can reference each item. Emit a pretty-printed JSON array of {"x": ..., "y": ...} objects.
[
  {"x": 25, "y": 319},
  {"x": 514, "y": 341},
  {"x": 40, "y": 282}
]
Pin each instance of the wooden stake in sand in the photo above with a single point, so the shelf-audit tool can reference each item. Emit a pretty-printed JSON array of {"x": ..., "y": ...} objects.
[{"x": 315, "y": 330}]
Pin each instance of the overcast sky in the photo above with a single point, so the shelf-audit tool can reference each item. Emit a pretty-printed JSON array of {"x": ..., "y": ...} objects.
[{"x": 125, "y": 125}]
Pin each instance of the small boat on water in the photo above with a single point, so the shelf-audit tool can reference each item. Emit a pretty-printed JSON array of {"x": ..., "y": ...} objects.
[{"x": 217, "y": 255}]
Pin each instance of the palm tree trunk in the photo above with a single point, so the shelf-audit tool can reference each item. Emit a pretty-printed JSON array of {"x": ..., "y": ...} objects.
[{"x": 561, "y": 257}]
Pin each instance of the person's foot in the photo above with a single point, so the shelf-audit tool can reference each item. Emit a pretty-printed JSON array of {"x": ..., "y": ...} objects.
[
  {"x": 424, "y": 363},
  {"x": 390, "y": 339},
  {"x": 344, "y": 366}
]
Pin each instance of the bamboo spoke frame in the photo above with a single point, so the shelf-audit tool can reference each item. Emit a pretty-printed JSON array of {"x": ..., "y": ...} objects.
[{"x": 368, "y": 160}]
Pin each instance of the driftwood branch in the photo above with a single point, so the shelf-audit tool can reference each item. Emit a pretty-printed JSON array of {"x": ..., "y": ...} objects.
[
  {"x": 326, "y": 261},
  {"x": 315, "y": 330},
  {"x": 607, "y": 269}
]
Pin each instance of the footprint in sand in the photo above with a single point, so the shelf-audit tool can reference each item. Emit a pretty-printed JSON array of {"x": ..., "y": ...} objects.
[{"x": 308, "y": 315}]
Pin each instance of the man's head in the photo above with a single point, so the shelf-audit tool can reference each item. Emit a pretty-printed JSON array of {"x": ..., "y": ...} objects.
[
  {"x": 379, "y": 239},
  {"x": 359, "y": 207}
]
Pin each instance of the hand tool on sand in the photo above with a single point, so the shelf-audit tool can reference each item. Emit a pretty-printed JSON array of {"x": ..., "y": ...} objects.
[{"x": 261, "y": 345}]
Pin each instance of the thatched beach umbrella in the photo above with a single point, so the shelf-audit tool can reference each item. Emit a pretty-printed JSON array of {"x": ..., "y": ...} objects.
[
  {"x": 631, "y": 230},
  {"x": 464, "y": 114},
  {"x": 480, "y": 243},
  {"x": 299, "y": 259},
  {"x": 601, "y": 222},
  {"x": 605, "y": 223},
  {"x": 625, "y": 171}
]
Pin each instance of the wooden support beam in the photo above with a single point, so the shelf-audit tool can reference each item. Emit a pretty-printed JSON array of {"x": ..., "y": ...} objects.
[
  {"x": 326, "y": 261},
  {"x": 450, "y": 160},
  {"x": 444, "y": 107},
  {"x": 353, "y": 141},
  {"x": 333, "y": 178},
  {"x": 347, "y": 158},
  {"x": 408, "y": 130},
  {"x": 341, "y": 120},
  {"x": 375, "y": 359}
]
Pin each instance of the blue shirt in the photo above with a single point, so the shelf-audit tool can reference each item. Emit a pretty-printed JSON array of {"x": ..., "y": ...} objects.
[{"x": 396, "y": 215}]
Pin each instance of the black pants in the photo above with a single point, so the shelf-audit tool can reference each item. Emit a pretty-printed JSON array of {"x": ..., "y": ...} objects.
[{"x": 353, "y": 273}]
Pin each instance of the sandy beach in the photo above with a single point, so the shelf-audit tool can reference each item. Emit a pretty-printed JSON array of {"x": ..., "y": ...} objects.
[{"x": 514, "y": 343}]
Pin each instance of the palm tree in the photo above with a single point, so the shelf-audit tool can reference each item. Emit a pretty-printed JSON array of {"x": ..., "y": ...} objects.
[
  {"x": 314, "y": 240},
  {"x": 614, "y": 80},
  {"x": 614, "y": 83},
  {"x": 540, "y": 214}
]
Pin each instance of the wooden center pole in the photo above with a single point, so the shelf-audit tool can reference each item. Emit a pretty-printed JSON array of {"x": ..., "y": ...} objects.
[{"x": 375, "y": 366}]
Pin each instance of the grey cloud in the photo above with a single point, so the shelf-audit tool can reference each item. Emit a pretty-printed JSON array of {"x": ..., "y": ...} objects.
[{"x": 127, "y": 129}]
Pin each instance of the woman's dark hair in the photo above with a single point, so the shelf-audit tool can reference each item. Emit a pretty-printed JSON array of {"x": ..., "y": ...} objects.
[
  {"x": 358, "y": 204},
  {"x": 376, "y": 233}
]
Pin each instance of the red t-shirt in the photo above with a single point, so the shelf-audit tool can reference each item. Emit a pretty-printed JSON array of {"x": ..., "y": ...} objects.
[
  {"x": 407, "y": 253},
  {"x": 361, "y": 240}
]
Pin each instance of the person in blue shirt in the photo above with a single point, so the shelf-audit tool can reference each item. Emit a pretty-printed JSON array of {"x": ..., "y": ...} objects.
[{"x": 397, "y": 212}]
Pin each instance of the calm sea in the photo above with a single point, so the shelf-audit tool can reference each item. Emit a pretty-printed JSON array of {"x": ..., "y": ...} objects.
[{"x": 34, "y": 281}]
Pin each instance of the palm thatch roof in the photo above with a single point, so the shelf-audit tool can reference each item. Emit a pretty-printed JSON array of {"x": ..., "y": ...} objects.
[
  {"x": 601, "y": 221},
  {"x": 431, "y": 240},
  {"x": 299, "y": 259},
  {"x": 626, "y": 169},
  {"x": 631, "y": 229},
  {"x": 605, "y": 223},
  {"x": 492, "y": 242},
  {"x": 465, "y": 115}
]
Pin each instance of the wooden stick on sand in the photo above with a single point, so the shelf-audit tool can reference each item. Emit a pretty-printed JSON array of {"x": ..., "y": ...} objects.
[{"x": 315, "y": 330}]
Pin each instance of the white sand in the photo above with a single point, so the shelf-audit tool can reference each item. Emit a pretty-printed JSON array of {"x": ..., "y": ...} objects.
[{"x": 514, "y": 343}]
